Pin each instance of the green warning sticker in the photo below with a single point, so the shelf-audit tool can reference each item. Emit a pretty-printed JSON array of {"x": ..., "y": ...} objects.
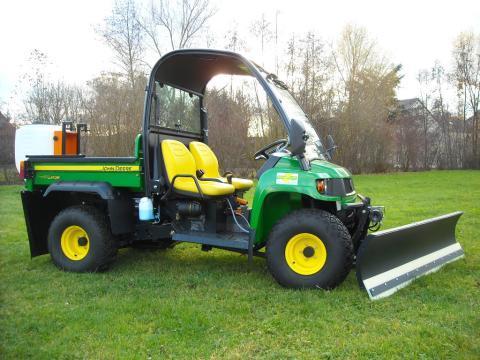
[{"x": 287, "y": 179}]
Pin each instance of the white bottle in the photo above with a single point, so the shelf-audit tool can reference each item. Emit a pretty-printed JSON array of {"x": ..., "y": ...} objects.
[{"x": 145, "y": 209}]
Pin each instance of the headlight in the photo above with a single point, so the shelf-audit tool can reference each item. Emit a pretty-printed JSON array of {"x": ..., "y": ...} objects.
[{"x": 321, "y": 186}]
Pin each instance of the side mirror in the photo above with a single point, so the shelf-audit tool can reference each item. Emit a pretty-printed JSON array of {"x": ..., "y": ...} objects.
[
  {"x": 298, "y": 137},
  {"x": 331, "y": 147}
]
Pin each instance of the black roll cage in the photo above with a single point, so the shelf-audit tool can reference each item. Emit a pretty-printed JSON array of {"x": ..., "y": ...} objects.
[{"x": 148, "y": 128}]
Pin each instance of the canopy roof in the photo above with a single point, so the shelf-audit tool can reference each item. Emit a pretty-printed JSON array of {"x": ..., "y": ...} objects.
[{"x": 192, "y": 69}]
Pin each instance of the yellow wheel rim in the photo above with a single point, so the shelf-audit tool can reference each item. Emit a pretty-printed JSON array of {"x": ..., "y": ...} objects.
[
  {"x": 305, "y": 254},
  {"x": 75, "y": 242}
]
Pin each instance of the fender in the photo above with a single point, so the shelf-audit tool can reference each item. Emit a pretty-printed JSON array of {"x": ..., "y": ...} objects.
[
  {"x": 40, "y": 209},
  {"x": 102, "y": 189},
  {"x": 120, "y": 209},
  {"x": 280, "y": 190}
]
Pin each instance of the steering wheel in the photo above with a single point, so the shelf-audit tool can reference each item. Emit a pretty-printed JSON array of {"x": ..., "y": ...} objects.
[{"x": 264, "y": 152}]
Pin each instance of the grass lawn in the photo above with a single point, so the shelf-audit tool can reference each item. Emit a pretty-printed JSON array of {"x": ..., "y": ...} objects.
[{"x": 184, "y": 303}]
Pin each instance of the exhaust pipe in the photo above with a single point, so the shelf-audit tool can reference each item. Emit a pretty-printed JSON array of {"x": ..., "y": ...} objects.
[{"x": 389, "y": 260}]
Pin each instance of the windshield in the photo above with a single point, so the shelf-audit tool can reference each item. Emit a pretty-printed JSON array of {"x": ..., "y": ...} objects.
[{"x": 314, "y": 148}]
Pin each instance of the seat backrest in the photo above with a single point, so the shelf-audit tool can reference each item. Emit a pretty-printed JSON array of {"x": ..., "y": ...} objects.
[
  {"x": 205, "y": 159},
  {"x": 177, "y": 159}
]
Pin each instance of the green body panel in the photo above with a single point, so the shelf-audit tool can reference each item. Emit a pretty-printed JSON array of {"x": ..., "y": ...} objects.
[
  {"x": 131, "y": 179},
  {"x": 123, "y": 175},
  {"x": 280, "y": 189}
]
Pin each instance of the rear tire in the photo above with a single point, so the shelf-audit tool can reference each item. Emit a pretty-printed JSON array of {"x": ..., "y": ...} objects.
[
  {"x": 79, "y": 240},
  {"x": 309, "y": 248}
]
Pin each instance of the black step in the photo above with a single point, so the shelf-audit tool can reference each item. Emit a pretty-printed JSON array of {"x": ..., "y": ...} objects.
[{"x": 223, "y": 240}]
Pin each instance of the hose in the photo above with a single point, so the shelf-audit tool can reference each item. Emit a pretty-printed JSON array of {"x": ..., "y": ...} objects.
[{"x": 235, "y": 219}]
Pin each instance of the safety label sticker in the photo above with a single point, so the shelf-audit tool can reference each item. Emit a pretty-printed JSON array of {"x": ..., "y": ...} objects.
[{"x": 287, "y": 179}]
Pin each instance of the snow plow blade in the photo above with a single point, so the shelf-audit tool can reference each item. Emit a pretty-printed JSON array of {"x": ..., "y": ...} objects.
[{"x": 389, "y": 260}]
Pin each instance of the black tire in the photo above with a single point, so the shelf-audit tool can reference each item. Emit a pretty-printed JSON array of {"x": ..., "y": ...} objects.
[
  {"x": 102, "y": 245},
  {"x": 333, "y": 234}
]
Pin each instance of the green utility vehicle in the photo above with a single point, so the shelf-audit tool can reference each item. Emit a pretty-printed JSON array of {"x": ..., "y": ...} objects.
[{"x": 307, "y": 220}]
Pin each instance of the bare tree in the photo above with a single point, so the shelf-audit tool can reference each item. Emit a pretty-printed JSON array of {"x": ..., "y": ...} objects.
[
  {"x": 368, "y": 82},
  {"x": 407, "y": 134},
  {"x": 114, "y": 112},
  {"x": 235, "y": 43},
  {"x": 277, "y": 12},
  {"x": 123, "y": 34},
  {"x": 291, "y": 65},
  {"x": 355, "y": 53},
  {"x": 466, "y": 54},
  {"x": 53, "y": 102},
  {"x": 7, "y": 154},
  {"x": 180, "y": 20},
  {"x": 424, "y": 80},
  {"x": 233, "y": 39},
  {"x": 47, "y": 101},
  {"x": 261, "y": 28},
  {"x": 229, "y": 124},
  {"x": 442, "y": 117}
]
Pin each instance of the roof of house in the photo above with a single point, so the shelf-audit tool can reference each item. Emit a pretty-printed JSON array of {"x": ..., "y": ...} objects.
[{"x": 407, "y": 104}]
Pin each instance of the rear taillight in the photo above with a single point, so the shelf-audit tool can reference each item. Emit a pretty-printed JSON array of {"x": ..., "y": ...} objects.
[
  {"x": 21, "y": 174},
  {"x": 24, "y": 170}
]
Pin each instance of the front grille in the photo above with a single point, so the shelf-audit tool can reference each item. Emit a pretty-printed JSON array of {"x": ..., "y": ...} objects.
[{"x": 339, "y": 187}]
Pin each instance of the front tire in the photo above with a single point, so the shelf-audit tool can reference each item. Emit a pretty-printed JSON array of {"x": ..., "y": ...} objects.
[
  {"x": 80, "y": 240},
  {"x": 309, "y": 248}
]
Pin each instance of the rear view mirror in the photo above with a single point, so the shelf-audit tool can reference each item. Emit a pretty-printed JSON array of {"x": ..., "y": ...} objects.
[{"x": 297, "y": 137}]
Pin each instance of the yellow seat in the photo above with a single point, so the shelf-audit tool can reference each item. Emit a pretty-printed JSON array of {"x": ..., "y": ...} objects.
[
  {"x": 179, "y": 161},
  {"x": 206, "y": 161}
]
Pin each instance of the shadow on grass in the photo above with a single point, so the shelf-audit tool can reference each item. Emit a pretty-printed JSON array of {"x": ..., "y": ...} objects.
[
  {"x": 187, "y": 257},
  {"x": 186, "y": 265}
]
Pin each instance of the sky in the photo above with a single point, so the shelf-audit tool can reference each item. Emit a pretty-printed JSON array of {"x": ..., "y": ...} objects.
[{"x": 412, "y": 33}]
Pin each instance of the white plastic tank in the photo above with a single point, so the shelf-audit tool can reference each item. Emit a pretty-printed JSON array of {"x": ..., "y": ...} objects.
[
  {"x": 34, "y": 140},
  {"x": 145, "y": 209}
]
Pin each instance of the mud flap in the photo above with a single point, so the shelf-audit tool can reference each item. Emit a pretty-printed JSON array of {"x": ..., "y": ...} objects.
[{"x": 389, "y": 260}]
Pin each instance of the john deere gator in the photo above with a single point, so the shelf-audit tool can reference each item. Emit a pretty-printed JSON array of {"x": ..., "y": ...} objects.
[{"x": 307, "y": 219}]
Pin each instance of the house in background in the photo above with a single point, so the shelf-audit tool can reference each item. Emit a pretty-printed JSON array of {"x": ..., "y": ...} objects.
[
  {"x": 427, "y": 137},
  {"x": 8, "y": 172}
]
